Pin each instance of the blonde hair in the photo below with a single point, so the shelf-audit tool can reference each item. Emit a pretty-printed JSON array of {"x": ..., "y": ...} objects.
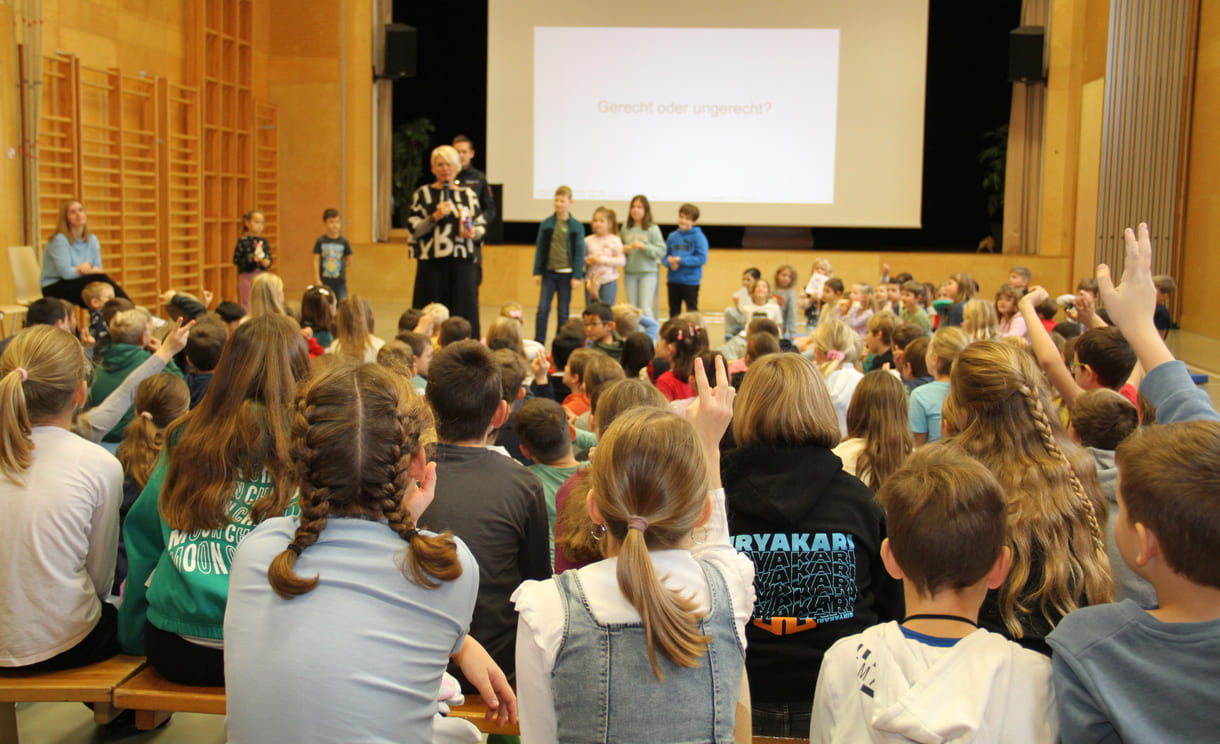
[
  {"x": 652, "y": 467},
  {"x": 626, "y": 318},
  {"x": 512, "y": 310},
  {"x": 159, "y": 400},
  {"x": 40, "y": 372},
  {"x": 878, "y": 415},
  {"x": 946, "y": 344},
  {"x": 448, "y": 153},
  {"x": 833, "y": 334},
  {"x": 784, "y": 400},
  {"x": 351, "y": 328},
  {"x": 1058, "y": 557},
  {"x": 129, "y": 326},
  {"x": 980, "y": 321},
  {"x": 267, "y": 295},
  {"x": 967, "y": 287}
]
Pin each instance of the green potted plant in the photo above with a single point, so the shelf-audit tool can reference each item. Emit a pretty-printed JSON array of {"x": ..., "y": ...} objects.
[
  {"x": 410, "y": 149},
  {"x": 992, "y": 159}
]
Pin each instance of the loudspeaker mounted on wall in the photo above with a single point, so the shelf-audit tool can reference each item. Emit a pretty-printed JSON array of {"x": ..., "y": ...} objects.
[
  {"x": 1025, "y": 55},
  {"x": 400, "y": 46}
]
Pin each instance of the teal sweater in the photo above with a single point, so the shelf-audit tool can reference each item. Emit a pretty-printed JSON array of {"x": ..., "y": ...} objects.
[
  {"x": 118, "y": 361},
  {"x": 189, "y": 572},
  {"x": 643, "y": 260}
]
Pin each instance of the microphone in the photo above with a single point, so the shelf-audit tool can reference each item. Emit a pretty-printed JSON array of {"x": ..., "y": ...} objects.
[{"x": 445, "y": 191}]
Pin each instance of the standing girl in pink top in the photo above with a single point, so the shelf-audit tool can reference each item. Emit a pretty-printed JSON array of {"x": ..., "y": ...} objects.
[{"x": 603, "y": 257}]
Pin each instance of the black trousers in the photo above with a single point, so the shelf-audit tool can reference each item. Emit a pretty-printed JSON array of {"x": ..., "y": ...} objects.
[
  {"x": 679, "y": 293},
  {"x": 453, "y": 282},
  {"x": 181, "y": 661},
  {"x": 101, "y": 643},
  {"x": 70, "y": 289}
]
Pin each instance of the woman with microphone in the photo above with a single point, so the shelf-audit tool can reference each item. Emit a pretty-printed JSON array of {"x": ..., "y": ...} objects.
[{"x": 446, "y": 221}]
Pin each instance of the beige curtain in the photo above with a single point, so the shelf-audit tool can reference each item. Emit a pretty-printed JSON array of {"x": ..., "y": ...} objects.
[
  {"x": 1023, "y": 170},
  {"x": 28, "y": 18},
  {"x": 383, "y": 113}
]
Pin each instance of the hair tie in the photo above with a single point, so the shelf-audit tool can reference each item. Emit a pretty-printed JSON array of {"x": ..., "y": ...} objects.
[
  {"x": 637, "y": 523},
  {"x": 294, "y": 548},
  {"x": 24, "y": 375},
  {"x": 411, "y": 533},
  {"x": 146, "y": 415},
  {"x": 514, "y": 314},
  {"x": 835, "y": 355},
  {"x": 679, "y": 334}
]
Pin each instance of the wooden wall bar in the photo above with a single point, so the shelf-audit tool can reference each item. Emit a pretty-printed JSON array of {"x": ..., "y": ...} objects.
[{"x": 1201, "y": 249}]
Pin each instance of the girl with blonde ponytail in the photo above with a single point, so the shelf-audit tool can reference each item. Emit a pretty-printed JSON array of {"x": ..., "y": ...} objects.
[
  {"x": 664, "y": 614},
  {"x": 836, "y": 350},
  {"x": 59, "y": 501},
  {"x": 377, "y": 605},
  {"x": 1055, "y": 504}
]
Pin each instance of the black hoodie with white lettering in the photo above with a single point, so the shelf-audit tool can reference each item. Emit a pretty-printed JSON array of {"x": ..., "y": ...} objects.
[{"x": 814, "y": 532}]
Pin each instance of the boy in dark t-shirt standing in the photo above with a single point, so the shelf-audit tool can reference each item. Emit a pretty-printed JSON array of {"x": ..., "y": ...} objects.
[{"x": 334, "y": 255}]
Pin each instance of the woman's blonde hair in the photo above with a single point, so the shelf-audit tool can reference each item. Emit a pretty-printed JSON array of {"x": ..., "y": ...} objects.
[
  {"x": 509, "y": 329},
  {"x": 833, "y": 335},
  {"x": 62, "y": 225},
  {"x": 650, "y": 481},
  {"x": 448, "y": 153},
  {"x": 267, "y": 295},
  {"x": 878, "y": 414},
  {"x": 980, "y": 321},
  {"x": 1055, "y": 508},
  {"x": 159, "y": 400},
  {"x": 784, "y": 400},
  {"x": 353, "y": 437},
  {"x": 40, "y": 372}
]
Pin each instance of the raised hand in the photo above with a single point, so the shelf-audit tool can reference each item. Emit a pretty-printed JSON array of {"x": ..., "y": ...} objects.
[{"x": 1134, "y": 299}]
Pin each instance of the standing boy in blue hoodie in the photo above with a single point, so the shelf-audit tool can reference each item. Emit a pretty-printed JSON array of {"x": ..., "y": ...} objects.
[{"x": 685, "y": 254}]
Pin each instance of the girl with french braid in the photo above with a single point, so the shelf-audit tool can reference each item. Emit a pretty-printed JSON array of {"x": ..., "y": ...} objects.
[
  {"x": 1055, "y": 505},
  {"x": 352, "y": 590}
]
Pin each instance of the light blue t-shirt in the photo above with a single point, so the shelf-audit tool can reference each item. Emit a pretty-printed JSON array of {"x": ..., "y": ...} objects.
[
  {"x": 359, "y": 657},
  {"x": 926, "y": 402}
]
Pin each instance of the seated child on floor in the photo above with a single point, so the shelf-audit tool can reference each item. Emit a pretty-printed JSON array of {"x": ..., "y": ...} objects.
[{"x": 937, "y": 676}]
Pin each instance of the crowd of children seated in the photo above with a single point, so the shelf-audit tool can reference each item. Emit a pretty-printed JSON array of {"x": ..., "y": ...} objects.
[{"x": 919, "y": 515}]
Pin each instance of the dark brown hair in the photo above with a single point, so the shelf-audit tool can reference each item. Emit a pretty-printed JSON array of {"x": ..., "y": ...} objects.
[
  {"x": 1108, "y": 354},
  {"x": 353, "y": 437},
  {"x": 878, "y": 415},
  {"x": 1103, "y": 418},
  {"x": 542, "y": 426},
  {"x": 464, "y": 389}
]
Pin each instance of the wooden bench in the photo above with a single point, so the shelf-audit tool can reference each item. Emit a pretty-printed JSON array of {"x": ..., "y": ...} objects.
[
  {"x": 475, "y": 711},
  {"x": 92, "y": 684},
  {"x": 154, "y": 698}
]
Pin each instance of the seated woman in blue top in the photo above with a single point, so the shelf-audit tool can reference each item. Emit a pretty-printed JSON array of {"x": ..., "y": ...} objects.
[{"x": 73, "y": 258}]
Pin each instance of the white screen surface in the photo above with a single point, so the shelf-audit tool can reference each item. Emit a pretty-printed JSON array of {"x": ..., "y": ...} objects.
[
  {"x": 679, "y": 94},
  {"x": 827, "y": 128}
]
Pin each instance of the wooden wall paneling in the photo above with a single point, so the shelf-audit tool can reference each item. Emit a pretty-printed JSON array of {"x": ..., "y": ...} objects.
[
  {"x": 58, "y": 147},
  {"x": 267, "y": 171},
  {"x": 99, "y": 135},
  {"x": 141, "y": 217},
  {"x": 181, "y": 188}
]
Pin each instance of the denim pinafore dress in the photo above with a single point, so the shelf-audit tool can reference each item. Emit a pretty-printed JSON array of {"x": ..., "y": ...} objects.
[{"x": 605, "y": 690}]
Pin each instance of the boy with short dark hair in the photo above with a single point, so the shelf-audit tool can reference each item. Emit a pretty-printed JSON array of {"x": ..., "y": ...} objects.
[
  {"x": 562, "y": 347},
  {"x": 915, "y": 363},
  {"x": 203, "y": 348},
  {"x": 1019, "y": 277},
  {"x": 937, "y": 676},
  {"x": 1165, "y": 287},
  {"x": 1123, "y": 673},
  {"x": 545, "y": 435},
  {"x": 334, "y": 255},
  {"x": 491, "y": 502},
  {"x": 577, "y": 401},
  {"x": 685, "y": 254},
  {"x": 231, "y": 313},
  {"x": 601, "y": 332},
  {"x": 455, "y": 329},
  {"x": 559, "y": 262}
]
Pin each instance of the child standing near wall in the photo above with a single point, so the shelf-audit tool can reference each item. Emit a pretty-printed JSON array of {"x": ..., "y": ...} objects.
[
  {"x": 334, "y": 255},
  {"x": 252, "y": 255},
  {"x": 559, "y": 262}
]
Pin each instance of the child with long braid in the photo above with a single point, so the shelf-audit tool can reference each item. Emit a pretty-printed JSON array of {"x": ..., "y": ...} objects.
[
  {"x": 1055, "y": 505},
  {"x": 663, "y": 617},
  {"x": 376, "y": 604}
]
